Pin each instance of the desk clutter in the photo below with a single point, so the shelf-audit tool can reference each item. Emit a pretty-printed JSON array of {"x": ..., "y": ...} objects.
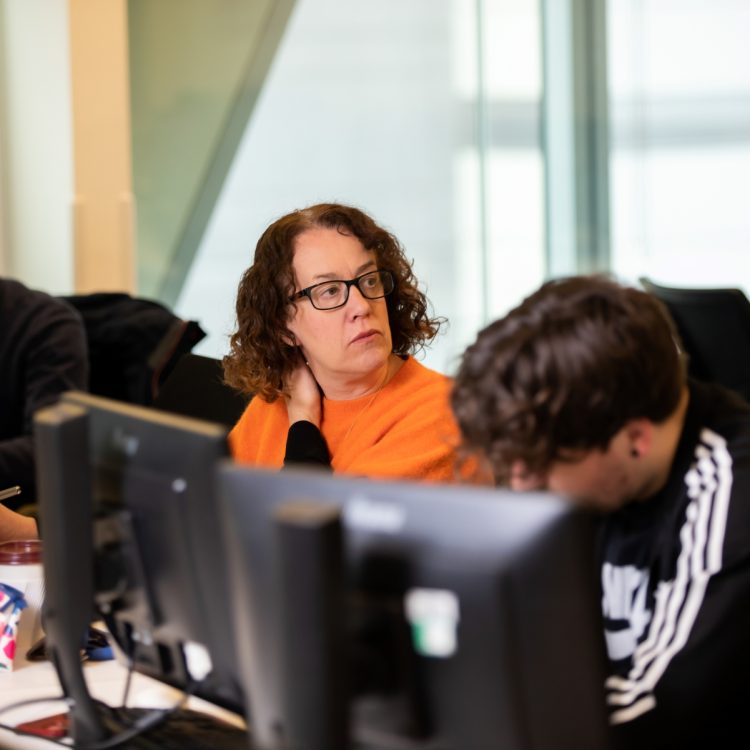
[
  {"x": 31, "y": 721},
  {"x": 149, "y": 728}
]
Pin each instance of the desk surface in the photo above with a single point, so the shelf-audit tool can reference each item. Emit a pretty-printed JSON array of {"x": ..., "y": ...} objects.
[{"x": 106, "y": 681}]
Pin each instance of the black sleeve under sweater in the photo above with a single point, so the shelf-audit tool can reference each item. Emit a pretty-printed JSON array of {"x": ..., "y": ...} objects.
[{"x": 305, "y": 445}]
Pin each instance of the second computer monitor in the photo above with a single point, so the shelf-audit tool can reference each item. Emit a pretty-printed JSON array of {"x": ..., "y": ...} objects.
[{"x": 469, "y": 617}]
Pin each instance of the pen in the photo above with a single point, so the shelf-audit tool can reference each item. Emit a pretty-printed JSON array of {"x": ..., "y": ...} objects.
[{"x": 10, "y": 492}]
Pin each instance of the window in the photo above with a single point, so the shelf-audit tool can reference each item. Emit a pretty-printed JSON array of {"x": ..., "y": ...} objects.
[
  {"x": 409, "y": 112},
  {"x": 680, "y": 141}
]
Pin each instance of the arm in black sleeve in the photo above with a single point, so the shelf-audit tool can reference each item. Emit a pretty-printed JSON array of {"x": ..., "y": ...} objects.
[
  {"x": 52, "y": 359},
  {"x": 56, "y": 361},
  {"x": 305, "y": 445},
  {"x": 17, "y": 467}
]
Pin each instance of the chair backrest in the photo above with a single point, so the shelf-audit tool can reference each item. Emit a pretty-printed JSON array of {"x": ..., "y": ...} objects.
[
  {"x": 133, "y": 343},
  {"x": 714, "y": 325},
  {"x": 196, "y": 388}
]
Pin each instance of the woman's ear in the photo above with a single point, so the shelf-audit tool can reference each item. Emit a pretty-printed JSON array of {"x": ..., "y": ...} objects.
[{"x": 288, "y": 337}]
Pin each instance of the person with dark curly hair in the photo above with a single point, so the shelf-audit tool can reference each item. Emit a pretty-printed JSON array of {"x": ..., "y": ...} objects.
[
  {"x": 582, "y": 389},
  {"x": 329, "y": 317}
]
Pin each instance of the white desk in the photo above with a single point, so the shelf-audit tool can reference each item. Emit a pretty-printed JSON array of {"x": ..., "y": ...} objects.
[{"x": 106, "y": 681}]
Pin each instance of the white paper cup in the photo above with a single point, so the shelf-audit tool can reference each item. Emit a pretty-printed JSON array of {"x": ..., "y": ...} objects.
[{"x": 21, "y": 568}]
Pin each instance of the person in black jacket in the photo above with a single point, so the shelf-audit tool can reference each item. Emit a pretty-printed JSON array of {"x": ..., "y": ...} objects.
[
  {"x": 582, "y": 389},
  {"x": 43, "y": 352}
]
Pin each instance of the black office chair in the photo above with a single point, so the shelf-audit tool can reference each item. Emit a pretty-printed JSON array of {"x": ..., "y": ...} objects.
[
  {"x": 196, "y": 388},
  {"x": 714, "y": 325},
  {"x": 133, "y": 343}
]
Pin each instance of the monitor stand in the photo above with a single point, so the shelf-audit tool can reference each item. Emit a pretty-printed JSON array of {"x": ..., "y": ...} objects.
[{"x": 310, "y": 544}]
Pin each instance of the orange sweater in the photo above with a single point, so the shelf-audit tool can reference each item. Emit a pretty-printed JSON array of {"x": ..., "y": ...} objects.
[{"x": 406, "y": 432}]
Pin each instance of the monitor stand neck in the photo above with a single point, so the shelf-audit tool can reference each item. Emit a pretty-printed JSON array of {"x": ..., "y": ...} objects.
[
  {"x": 61, "y": 444},
  {"x": 314, "y": 691}
]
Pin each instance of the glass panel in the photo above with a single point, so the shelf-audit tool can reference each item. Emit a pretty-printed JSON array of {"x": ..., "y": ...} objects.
[
  {"x": 516, "y": 224},
  {"x": 193, "y": 65},
  {"x": 375, "y": 104},
  {"x": 514, "y": 167},
  {"x": 680, "y": 97}
]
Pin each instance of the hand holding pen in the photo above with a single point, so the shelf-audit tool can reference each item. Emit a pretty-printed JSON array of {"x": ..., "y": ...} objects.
[{"x": 10, "y": 492}]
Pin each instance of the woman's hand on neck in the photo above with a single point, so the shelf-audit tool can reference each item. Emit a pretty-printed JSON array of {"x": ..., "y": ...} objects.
[{"x": 303, "y": 397}]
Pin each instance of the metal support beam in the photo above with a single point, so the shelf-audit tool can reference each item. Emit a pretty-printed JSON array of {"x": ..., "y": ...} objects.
[{"x": 575, "y": 136}]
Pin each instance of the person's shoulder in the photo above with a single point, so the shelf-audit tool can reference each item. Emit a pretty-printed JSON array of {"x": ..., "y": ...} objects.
[
  {"x": 420, "y": 390},
  {"x": 13, "y": 292},
  {"x": 20, "y": 298},
  {"x": 15, "y": 289},
  {"x": 422, "y": 386},
  {"x": 721, "y": 463},
  {"x": 259, "y": 409},
  {"x": 260, "y": 416},
  {"x": 414, "y": 371},
  {"x": 724, "y": 413}
]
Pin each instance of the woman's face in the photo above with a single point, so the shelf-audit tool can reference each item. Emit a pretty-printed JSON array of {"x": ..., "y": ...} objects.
[{"x": 347, "y": 347}]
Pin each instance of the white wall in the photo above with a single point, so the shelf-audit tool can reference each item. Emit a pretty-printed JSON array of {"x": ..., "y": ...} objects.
[{"x": 37, "y": 159}]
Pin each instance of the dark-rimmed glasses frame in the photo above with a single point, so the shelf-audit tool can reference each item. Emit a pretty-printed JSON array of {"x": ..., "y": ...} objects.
[{"x": 382, "y": 284}]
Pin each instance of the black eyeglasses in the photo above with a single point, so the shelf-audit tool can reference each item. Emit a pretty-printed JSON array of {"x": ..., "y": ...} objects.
[{"x": 329, "y": 295}]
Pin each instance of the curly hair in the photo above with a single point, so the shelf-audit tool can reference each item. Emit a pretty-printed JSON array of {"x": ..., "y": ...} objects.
[
  {"x": 259, "y": 358},
  {"x": 564, "y": 372}
]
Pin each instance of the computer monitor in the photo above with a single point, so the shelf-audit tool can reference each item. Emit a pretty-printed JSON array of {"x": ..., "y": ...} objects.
[
  {"x": 451, "y": 617},
  {"x": 127, "y": 501}
]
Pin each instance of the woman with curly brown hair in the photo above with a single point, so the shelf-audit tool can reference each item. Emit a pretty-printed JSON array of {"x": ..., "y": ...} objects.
[{"x": 328, "y": 318}]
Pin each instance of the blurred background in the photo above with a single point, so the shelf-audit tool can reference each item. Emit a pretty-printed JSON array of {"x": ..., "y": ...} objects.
[{"x": 146, "y": 144}]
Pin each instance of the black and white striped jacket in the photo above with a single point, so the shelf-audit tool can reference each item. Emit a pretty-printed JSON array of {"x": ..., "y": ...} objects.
[{"x": 676, "y": 590}]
